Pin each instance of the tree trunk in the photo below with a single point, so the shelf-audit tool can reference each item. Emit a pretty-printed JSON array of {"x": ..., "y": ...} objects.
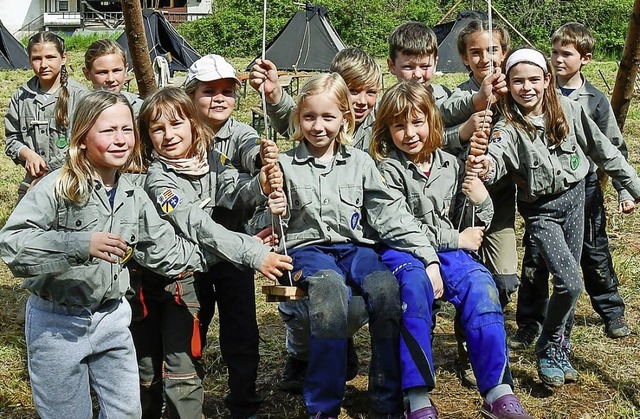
[
  {"x": 140, "y": 59},
  {"x": 626, "y": 77}
]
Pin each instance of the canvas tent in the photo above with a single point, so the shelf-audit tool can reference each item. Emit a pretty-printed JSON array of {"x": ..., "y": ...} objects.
[
  {"x": 307, "y": 42},
  {"x": 449, "y": 60},
  {"x": 12, "y": 53},
  {"x": 163, "y": 38}
]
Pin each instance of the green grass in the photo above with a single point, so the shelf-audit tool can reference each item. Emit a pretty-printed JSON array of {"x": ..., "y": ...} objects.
[{"x": 609, "y": 385}]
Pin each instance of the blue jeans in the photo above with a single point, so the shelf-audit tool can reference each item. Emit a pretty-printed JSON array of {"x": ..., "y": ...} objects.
[
  {"x": 327, "y": 273},
  {"x": 70, "y": 349}
]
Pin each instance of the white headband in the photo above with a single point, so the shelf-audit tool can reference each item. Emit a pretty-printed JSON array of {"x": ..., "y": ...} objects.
[{"x": 527, "y": 55}]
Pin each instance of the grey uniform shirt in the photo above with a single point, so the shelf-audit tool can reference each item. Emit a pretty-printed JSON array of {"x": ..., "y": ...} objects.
[
  {"x": 334, "y": 202},
  {"x": 30, "y": 121},
  {"x": 241, "y": 144},
  {"x": 550, "y": 169},
  {"x": 598, "y": 108},
  {"x": 435, "y": 201},
  {"x": 134, "y": 100},
  {"x": 46, "y": 241},
  {"x": 194, "y": 201}
]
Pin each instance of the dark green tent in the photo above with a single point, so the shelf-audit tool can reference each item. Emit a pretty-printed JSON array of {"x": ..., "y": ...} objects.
[{"x": 12, "y": 53}]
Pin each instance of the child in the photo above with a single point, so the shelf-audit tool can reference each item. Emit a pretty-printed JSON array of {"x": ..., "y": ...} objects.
[
  {"x": 183, "y": 166},
  {"x": 333, "y": 193},
  {"x": 212, "y": 85},
  {"x": 70, "y": 238},
  {"x": 572, "y": 48},
  {"x": 39, "y": 114},
  {"x": 545, "y": 139},
  {"x": 406, "y": 143},
  {"x": 105, "y": 66}
]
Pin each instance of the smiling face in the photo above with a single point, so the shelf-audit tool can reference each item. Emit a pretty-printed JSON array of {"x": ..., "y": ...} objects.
[
  {"x": 527, "y": 86},
  {"x": 478, "y": 56},
  {"x": 110, "y": 141},
  {"x": 413, "y": 67},
  {"x": 46, "y": 62},
  {"x": 320, "y": 122},
  {"x": 107, "y": 73},
  {"x": 171, "y": 135},
  {"x": 215, "y": 101},
  {"x": 363, "y": 100},
  {"x": 409, "y": 136}
]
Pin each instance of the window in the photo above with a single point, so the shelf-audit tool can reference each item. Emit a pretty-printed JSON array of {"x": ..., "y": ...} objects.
[{"x": 63, "y": 5}]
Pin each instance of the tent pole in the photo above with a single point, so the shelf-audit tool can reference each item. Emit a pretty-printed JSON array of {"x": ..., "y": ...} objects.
[
  {"x": 451, "y": 10},
  {"x": 511, "y": 26}
]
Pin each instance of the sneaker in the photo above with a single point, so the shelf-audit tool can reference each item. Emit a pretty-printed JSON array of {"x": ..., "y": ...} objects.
[
  {"x": 524, "y": 337},
  {"x": 429, "y": 412},
  {"x": 506, "y": 407},
  {"x": 549, "y": 367},
  {"x": 293, "y": 376},
  {"x": 570, "y": 373},
  {"x": 352, "y": 360},
  {"x": 617, "y": 328}
]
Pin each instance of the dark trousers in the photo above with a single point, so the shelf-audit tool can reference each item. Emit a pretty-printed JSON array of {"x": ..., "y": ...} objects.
[{"x": 233, "y": 290}]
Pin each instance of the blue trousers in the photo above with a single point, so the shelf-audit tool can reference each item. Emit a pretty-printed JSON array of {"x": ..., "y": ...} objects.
[
  {"x": 468, "y": 285},
  {"x": 328, "y": 273}
]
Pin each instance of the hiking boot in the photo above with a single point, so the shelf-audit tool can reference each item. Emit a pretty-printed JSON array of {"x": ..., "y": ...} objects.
[
  {"x": 506, "y": 407},
  {"x": 570, "y": 373},
  {"x": 549, "y": 367},
  {"x": 429, "y": 412},
  {"x": 352, "y": 360},
  {"x": 524, "y": 337},
  {"x": 467, "y": 377},
  {"x": 617, "y": 328},
  {"x": 293, "y": 376}
]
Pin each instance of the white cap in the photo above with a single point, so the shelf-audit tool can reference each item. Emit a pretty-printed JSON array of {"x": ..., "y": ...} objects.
[
  {"x": 211, "y": 67},
  {"x": 526, "y": 55}
]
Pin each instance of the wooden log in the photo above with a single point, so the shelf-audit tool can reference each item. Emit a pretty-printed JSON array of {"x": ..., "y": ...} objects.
[
  {"x": 140, "y": 59},
  {"x": 278, "y": 293}
]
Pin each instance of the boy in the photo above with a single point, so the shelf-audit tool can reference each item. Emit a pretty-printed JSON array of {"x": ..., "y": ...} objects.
[{"x": 572, "y": 48}]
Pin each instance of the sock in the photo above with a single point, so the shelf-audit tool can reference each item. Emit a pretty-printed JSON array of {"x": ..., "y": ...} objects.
[
  {"x": 418, "y": 398},
  {"x": 498, "y": 391}
]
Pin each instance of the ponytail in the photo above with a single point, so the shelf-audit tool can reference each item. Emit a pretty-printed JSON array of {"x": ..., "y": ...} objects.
[{"x": 62, "y": 104}]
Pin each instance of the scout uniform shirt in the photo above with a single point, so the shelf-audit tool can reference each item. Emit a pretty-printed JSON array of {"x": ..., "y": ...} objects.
[
  {"x": 46, "y": 241},
  {"x": 188, "y": 202},
  {"x": 134, "y": 100},
  {"x": 241, "y": 144},
  {"x": 550, "y": 169},
  {"x": 327, "y": 202},
  {"x": 31, "y": 122},
  {"x": 435, "y": 201}
]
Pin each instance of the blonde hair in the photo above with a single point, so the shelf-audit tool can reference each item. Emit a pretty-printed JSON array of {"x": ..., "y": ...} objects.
[
  {"x": 358, "y": 69},
  {"x": 77, "y": 177},
  {"x": 333, "y": 86},
  {"x": 477, "y": 25},
  {"x": 557, "y": 127},
  {"x": 575, "y": 34},
  {"x": 413, "y": 38},
  {"x": 100, "y": 48},
  {"x": 174, "y": 103},
  {"x": 401, "y": 102}
]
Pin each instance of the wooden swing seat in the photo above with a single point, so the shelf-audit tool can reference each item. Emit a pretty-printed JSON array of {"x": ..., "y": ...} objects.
[{"x": 279, "y": 293}]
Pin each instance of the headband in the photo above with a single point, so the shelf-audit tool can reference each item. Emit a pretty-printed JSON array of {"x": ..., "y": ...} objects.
[{"x": 526, "y": 55}]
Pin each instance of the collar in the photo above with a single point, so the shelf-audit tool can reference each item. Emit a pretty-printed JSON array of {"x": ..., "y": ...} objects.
[
  {"x": 225, "y": 131},
  {"x": 302, "y": 154}
]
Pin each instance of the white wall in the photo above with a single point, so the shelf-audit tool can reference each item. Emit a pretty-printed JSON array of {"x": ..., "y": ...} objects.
[
  {"x": 195, "y": 6},
  {"x": 17, "y": 13}
]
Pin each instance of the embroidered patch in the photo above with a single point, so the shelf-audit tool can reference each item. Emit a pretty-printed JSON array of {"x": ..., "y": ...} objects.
[
  {"x": 297, "y": 276},
  {"x": 62, "y": 142},
  {"x": 168, "y": 201},
  {"x": 496, "y": 137},
  {"x": 127, "y": 255},
  {"x": 574, "y": 162},
  {"x": 354, "y": 220},
  {"x": 225, "y": 160}
]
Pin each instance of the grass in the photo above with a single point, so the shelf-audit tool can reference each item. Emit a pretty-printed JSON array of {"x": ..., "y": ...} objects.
[{"x": 609, "y": 385}]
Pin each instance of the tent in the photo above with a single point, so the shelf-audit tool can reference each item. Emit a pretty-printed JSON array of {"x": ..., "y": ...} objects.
[
  {"x": 307, "y": 42},
  {"x": 12, "y": 53},
  {"x": 449, "y": 60},
  {"x": 161, "y": 39}
]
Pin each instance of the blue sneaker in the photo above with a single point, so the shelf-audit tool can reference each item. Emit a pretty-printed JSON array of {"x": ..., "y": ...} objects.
[
  {"x": 570, "y": 373},
  {"x": 549, "y": 366}
]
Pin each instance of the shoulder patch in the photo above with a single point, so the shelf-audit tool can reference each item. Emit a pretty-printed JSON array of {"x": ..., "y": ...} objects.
[
  {"x": 496, "y": 136},
  {"x": 225, "y": 160},
  {"x": 168, "y": 200}
]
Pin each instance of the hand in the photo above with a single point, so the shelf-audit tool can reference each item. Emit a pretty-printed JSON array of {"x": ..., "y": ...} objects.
[
  {"x": 34, "y": 164},
  {"x": 477, "y": 166},
  {"x": 103, "y": 244},
  {"x": 274, "y": 265},
  {"x": 474, "y": 189},
  {"x": 471, "y": 238},
  {"x": 479, "y": 121},
  {"x": 626, "y": 207},
  {"x": 492, "y": 88},
  {"x": 433, "y": 272},
  {"x": 264, "y": 74},
  {"x": 267, "y": 236},
  {"x": 268, "y": 152},
  {"x": 277, "y": 203},
  {"x": 270, "y": 178},
  {"x": 479, "y": 143}
]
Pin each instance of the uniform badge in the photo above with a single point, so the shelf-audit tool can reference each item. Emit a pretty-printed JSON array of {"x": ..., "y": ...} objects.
[
  {"x": 297, "y": 276},
  {"x": 127, "y": 255},
  {"x": 354, "y": 220},
  {"x": 574, "y": 162},
  {"x": 62, "y": 142},
  {"x": 496, "y": 137},
  {"x": 225, "y": 160},
  {"x": 168, "y": 201}
]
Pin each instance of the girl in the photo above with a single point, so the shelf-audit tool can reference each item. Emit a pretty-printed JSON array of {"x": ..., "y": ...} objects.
[
  {"x": 70, "y": 238},
  {"x": 38, "y": 118},
  {"x": 187, "y": 180},
  {"x": 105, "y": 66},
  {"x": 406, "y": 143},
  {"x": 542, "y": 139},
  {"x": 334, "y": 192}
]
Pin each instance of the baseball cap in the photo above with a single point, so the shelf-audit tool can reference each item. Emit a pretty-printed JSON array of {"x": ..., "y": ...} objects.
[{"x": 211, "y": 67}]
